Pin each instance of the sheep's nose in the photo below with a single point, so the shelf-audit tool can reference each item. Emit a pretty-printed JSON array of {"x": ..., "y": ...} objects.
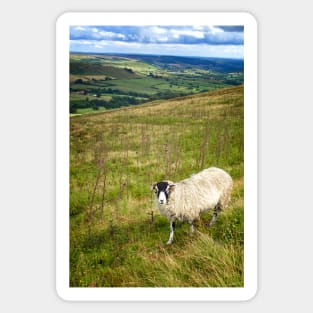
[{"x": 161, "y": 201}]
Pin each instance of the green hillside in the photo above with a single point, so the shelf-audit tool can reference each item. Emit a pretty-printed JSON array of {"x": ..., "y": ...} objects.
[
  {"x": 117, "y": 236},
  {"x": 80, "y": 68}
]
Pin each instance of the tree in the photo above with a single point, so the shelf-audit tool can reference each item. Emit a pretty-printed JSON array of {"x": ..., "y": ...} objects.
[{"x": 78, "y": 81}]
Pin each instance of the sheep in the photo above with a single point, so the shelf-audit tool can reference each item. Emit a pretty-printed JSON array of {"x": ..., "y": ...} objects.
[{"x": 186, "y": 200}]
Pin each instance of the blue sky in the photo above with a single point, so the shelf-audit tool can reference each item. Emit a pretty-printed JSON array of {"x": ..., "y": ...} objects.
[{"x": 205, "y": 41}]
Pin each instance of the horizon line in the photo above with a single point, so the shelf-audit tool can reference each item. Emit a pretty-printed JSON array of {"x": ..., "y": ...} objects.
[{"x": 150, "y": 54}]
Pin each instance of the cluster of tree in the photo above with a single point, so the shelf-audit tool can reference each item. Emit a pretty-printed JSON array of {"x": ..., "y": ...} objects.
[
  {"x": 168, "y": 94},
  {"x": 132, "y": 98},
  {"x": 92, "y": 81},
  {"x": 154, "y": 75},
  {"x": 98, "y": 92},
  {"x": 233, "y": 81},
  {"x": 129, "y": 70},
  {"x": 120, "y": 92},
  {"x": 95, "y": 104}
]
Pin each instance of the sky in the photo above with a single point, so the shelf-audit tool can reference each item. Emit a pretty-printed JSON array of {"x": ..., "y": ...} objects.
[{"x": 204, "y": 41}]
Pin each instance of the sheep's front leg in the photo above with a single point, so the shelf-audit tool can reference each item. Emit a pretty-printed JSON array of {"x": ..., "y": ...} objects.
[
  {"x": 217, "y": 211},
  {"x": 172, "y": 228},
  {"x": 192, "y": 228}
]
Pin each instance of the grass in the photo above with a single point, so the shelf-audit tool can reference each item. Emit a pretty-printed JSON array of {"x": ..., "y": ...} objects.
[{"x": 117, "y": 237}]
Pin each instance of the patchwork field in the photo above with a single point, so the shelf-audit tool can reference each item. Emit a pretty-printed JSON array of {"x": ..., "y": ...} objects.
[{"x": 114, "y": 81}]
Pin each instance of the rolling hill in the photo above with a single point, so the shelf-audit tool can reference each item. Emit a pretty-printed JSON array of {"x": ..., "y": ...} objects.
[{"x": 126, "y": 80}]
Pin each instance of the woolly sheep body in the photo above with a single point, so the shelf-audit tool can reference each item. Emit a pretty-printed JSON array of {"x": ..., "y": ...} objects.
[{"x": 209, "y": 189}]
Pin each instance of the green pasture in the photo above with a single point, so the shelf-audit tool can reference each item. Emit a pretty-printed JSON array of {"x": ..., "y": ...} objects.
[{"x": 117, "y": 236}]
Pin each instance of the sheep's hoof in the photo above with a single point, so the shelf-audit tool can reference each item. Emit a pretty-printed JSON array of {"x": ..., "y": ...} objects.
[{"x": 169, "y": 242}]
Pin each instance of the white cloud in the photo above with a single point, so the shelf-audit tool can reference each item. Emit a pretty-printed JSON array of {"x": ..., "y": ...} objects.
[
  {"x": 198, "y": 40},
  {"x": 185, "y": 32},
  {"x": 84, "y": 42},
  {"x": 198, "y": 27},
  {"x": 158, "y": 30},
  {"x": 105, "y": 46},
  {"x": 215, "y": 30},
  {"x": 79, "y": 28},
  {"x": 197, "y": 34}
]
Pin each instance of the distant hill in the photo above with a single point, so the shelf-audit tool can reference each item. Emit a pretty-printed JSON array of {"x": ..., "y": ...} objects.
[
  {"x": 83, "y": 68},
  {"x": 214, "y": 64}
]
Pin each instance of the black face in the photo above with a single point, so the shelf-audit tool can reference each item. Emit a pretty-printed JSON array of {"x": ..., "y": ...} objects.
[
  {"x": 162, "y": 186},
  {"x": 162, "y": 191}
]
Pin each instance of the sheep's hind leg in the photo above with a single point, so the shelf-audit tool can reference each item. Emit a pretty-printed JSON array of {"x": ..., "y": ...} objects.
[
  {"x": 217, "y": 211},
  {"x": 192, "y": 228},
  {"x": 172, "y": 227}
]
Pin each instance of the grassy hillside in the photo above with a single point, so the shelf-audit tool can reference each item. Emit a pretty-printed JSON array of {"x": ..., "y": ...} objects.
[
  {"x": 117, "y": 237},
  {"x": 80, "y": 68}
]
